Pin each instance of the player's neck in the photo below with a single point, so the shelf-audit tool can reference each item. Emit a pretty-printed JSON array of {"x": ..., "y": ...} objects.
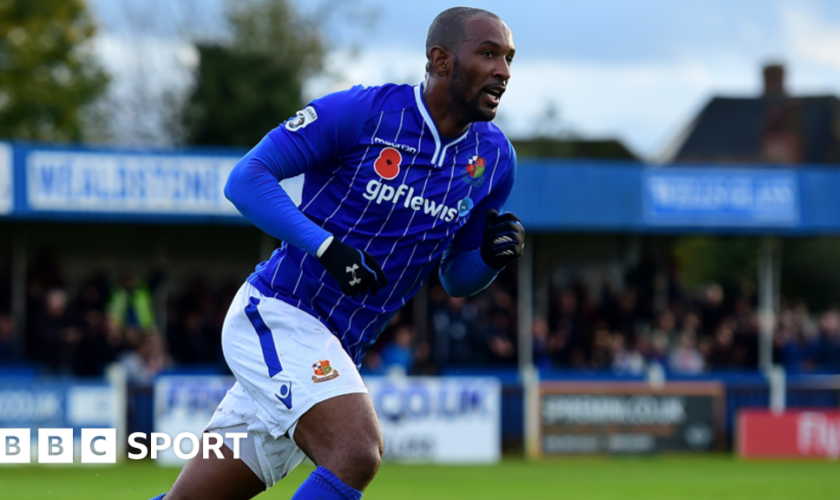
[{"x": 448, "y": 122}]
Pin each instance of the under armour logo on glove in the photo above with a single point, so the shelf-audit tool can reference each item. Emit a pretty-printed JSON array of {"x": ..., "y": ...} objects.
[
  {"x": 341, "y": 260},
  {"x": 352, "y": 269},
  {"x": 503, "y": 240}
]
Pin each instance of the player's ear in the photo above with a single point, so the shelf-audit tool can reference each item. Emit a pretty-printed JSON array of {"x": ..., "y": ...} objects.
[{"x": 439, "y": 61}]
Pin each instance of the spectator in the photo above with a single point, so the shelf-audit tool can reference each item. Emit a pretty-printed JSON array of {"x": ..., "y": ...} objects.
[
  {"x": 8, "y": 348},
  {"x": 58, "y": 333},
  {"x": 191, "y": 344},
  {"x": 721, "y": 352},
  {"x": 148, "y": 360},
  {"x": 625, "y": 361},
  {"x": 44, "y": 274},
  {"x": 99, "y": 345},
  {"x": 602, "y": 347},
  {"x": 685, "y": 358},
  {"x": 542, "y": 358},
  {"x": 454, "y": 327},
  {"x": 132, "y": 304},
  {"x": 499, "y": 346},
  {"x": 397, "y": 356},
  {"x": 824, "y": 352},
  {"x": 788, "y": 349},
  {"x": 662, "y": 337},
  {"x": 711, "y": 310},
  {"x": 568, "y": 344}
]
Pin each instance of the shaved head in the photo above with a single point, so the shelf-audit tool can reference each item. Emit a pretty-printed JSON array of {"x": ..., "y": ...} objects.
[
  {"x": 468, "y": 60},
  {"x": 447, "y": 30}
]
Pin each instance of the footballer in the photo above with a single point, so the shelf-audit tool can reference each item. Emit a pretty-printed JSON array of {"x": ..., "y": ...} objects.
[{"x": 398, "y": 179}]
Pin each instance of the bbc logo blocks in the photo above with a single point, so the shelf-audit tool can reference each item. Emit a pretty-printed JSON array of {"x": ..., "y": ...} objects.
[
  {"x": 99, "y": 446},
  {"x": 55, "y": 446},
  {"x": 14, "y": 446}
]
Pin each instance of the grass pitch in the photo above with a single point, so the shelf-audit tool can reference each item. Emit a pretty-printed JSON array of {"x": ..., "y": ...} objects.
[{"x": 718, "y": 477}]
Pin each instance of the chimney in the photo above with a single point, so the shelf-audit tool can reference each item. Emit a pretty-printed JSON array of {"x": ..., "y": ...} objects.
[{"x": 774, "y": 80}]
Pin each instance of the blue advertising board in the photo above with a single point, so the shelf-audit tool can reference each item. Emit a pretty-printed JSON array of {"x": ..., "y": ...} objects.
[
  {"x": 74, "y": 183},
  {"x": 6, "y": 180},
  {"x": 720, "y": 197},
  {"x": 47, "y": 403},
  {"x": 49, "y": 182}
]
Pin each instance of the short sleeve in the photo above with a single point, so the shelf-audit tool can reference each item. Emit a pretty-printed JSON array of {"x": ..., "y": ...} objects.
[{"x": 326, "y": 127}]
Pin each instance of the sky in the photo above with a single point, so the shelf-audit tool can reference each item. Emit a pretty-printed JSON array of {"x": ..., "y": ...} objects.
[{"x": 634, "y": 70}]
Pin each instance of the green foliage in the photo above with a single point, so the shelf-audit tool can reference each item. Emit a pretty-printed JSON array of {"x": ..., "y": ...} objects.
[
  {"x": 572, "y": 148},
  {"x": 249, "y": 86},
  {"x": 728, "y": 261},
  {"x": 239, "y": 98},
  {"x": 810, "y": 271},
  {"x": 47, "y": 73}
]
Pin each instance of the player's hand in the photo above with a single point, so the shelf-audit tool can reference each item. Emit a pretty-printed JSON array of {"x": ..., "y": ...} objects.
[
  {"x": 504, "y": 239},
  {"x": 355, "y": 270}
]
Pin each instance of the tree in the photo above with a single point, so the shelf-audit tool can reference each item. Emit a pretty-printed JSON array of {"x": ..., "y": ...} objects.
[
  {"x": 151, "y": 57},
  {"x": 47, "y": 72},
  {"x": 249, "y": 85}
]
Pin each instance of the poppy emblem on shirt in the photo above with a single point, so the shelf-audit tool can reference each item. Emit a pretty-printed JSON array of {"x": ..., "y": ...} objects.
[{"x": 388, "y": 163}]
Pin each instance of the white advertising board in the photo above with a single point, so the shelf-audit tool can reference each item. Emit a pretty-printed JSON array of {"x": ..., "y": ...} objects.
[
  {"x": 423, "y": 419},
  {"x": 6, "y": 176},
  {"x": 133, "y": 183},
  {"x": 439, "y": 419},
  {"x": 185, "y": 404}
]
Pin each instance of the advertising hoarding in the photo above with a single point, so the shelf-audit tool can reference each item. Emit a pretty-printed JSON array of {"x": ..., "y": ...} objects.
[
  {"x": 718, "y": 197},
  {"x": 791, "y": 434},
  {"x": 102, "y": 182},
  {"x": 6, "y": 184},
  {"x": 423, "y": 419},
  {"x": 598, "y": 417},
  {"x": 439, "y": 419},
  {"x": 185, "y": 404},
  {"x": 66, "y": 404}
]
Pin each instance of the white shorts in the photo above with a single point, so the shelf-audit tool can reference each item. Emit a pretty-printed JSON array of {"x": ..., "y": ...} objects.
[{"x": 285, "y": 362}]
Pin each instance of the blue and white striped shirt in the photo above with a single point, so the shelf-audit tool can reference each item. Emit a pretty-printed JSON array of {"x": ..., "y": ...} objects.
[{"x": 380, "y": 177}]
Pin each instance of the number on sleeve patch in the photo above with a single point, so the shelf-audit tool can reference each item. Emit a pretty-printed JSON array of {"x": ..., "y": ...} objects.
[{"x": 301, "y": 119}]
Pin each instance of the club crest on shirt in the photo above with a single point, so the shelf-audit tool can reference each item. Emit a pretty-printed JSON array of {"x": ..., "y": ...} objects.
[
  {"x": 323, "y": 371},
  {"x": 388, "y": 163},
  {"x": 301, "y": 119},
  {"x": 474, "y": 171}
]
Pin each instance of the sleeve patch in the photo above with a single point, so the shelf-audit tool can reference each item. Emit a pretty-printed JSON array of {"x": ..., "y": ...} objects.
[{"x": 302, "y": 118}]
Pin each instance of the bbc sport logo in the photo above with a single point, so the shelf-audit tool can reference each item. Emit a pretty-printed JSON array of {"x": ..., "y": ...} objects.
[{"x": 99, "y": 446}]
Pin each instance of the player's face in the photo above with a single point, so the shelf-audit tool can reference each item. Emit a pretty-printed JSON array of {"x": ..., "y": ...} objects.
[{"x": 481, "y": 68}]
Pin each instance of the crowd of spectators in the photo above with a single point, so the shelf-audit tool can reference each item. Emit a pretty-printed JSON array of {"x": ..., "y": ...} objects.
[
  {"x": 113, "y": 319},
  {"x": 619, "y": 330}
]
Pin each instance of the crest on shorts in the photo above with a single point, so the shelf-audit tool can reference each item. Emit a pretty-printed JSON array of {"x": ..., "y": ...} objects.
[{"x": 323, "y": 371}]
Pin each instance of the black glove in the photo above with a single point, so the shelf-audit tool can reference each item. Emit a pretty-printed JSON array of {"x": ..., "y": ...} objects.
[
  {"x": 355, "y": 270},
  {"x": 503, "y": 240}
]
